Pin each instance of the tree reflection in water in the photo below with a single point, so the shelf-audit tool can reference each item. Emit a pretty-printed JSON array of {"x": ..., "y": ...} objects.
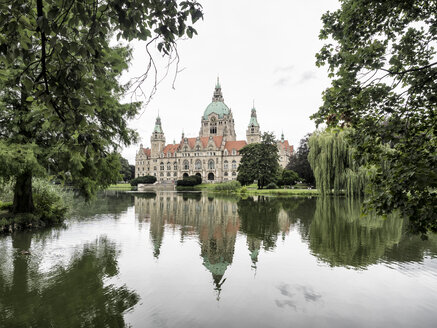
[
  {"x": 333, "y": 228},
  {"x": 70, "y": 296}
]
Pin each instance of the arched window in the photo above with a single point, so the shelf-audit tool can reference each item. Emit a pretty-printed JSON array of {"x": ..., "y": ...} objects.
[
  {"x": 186, "y": 165},
  {"x": 226, "y": 174},
  {"x": 161, "y": 166},
  {"x": 168, "y": 166},
  {"x": 197, "y": 148},
  {"x": 234, "y": 165},
  {"x": 211, "y": 164},
  {"x": 198, "y": 165},
  {"x": 225, "y": 165},
  {"x": 175, "y": 166},
  {"x": 234, "y": 174}
]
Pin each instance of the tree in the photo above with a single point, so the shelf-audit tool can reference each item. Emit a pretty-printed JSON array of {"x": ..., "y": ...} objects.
[
  {"x": 259, "y": 162},
  {"x": 125, "y": 170},
  {"x": 288, "y": 178},
  {"x": 381, "y": 56},
  {"x": 60, "y": 99},
  {"x": 333, "y": 163},
  {"x": 299, "y": 162}
]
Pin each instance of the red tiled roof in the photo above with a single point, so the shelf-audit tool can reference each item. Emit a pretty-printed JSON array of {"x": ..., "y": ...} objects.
[
  {"x": 217, "y": 140},
  {"x": 237, "y": 145},
  {"x": 146, "y": 151},
  {"x": 172, "y": 148},
  {"x": 285, "y": 145},
  {"x": 204, "y": 140}
]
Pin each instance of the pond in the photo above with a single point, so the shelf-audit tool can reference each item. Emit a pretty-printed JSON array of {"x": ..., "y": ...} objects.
[{"x": 170, "y": 259}]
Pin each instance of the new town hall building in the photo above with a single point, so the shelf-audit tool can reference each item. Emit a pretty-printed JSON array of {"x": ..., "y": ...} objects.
[{"x": 214, "y": 154}]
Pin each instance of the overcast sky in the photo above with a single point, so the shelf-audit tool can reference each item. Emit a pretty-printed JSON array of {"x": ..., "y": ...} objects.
[{"x": 261, "y": 50}]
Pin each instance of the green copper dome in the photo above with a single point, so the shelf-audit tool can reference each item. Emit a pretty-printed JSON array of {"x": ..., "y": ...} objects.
[{"x": 216, "y": 107}]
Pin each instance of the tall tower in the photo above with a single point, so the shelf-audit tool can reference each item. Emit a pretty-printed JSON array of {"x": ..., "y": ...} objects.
[
  {"x": 217, "y": 119},
  {"x": 157, "y": 140},
  {"x": 253, "y": 133}
]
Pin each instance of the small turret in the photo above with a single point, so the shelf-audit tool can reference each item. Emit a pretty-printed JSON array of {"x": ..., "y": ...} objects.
[
  {"x": 253, "y": 133},
  {"x": 157, "y": 140}
]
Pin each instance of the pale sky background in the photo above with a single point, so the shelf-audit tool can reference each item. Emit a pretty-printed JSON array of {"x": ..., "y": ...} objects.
[{"x": 261, "y": 50}]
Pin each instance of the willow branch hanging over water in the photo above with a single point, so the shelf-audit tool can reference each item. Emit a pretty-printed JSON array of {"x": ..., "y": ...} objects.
[{"x": 332, "y": 161}]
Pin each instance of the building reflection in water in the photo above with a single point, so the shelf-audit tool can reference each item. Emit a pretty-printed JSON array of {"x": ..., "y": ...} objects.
[{"x": 333, "y": 229}]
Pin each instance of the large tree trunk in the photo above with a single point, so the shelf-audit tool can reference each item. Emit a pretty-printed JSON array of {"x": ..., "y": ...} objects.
[{"x": 23, "y": 200}]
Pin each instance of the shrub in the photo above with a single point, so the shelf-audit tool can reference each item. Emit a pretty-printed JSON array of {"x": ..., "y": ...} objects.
[
  {"x": 147, "y": 179},
  {"x": 272, "y": 185},
  {"x": 288, "y": 177},
  {"x": 51, "y": 201},
  {"x": 192, "y": 180},
  {"x": 227, "y": 186},
  {"x": 243, "y": 190}
]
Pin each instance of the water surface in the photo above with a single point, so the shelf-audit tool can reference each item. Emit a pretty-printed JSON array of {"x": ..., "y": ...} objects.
[{"x": 190, "y": 260}]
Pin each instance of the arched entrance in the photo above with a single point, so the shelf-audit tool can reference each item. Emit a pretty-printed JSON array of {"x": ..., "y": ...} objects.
[
  {"x": 211, "y": 176},
  {"x": 199, "y": 175},
  {"x": 185, "y": 175}
]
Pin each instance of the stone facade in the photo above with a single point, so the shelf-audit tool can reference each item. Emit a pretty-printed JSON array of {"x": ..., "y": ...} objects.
[{"x": 214, "y": 154}]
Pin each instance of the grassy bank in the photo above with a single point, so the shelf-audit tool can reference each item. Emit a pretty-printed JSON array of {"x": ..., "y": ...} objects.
[
  {"x": 289, "y": 192},
  {"x": 120, "y": 186},
  {"x": 251, "y": 190}
]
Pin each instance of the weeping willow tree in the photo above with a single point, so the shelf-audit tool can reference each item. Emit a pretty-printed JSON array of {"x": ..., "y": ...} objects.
[{"x": 332, "y": 161}]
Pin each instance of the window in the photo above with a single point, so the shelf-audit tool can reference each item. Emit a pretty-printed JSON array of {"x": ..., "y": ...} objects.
[
  {"x": 225, "y": 165},
  {"x": 175, "y": 166},
  {"x": 168, "y": 174},
  {"x": 161, "y": 166},
  {"x": 234, "y": 174},
  {"x": 234, "y": 152},
  {"x": 186, "y": 165},
  {"x": 198, "y": 165},
  {"x": 234, "y": 165},
  {"x": 213, "y": 130},
  {"x": 154, "y": 168},
  {"x": 252, "y": 130},
  {"x": 211, "y": 164},
  {"x": 169, "y": 166},
  {"x": 226, "y": 174}
]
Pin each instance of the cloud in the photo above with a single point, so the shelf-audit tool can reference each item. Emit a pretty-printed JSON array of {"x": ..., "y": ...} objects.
[
  {"x": 306, "y": 76},
  {"x": 282, "y": 81}
]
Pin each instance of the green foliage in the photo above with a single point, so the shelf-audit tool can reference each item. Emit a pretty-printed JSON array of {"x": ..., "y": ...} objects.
[
  {"x": 5, "y": 206},
  {"x": 51, "y": 201},
  {"x": 227, "y": 186},
  {"x": 192, "y": 180},
  {"x": 288, "y": 178},
  {"x": 382, "y": 59},
  {"x": 272, "y": 185},
  {"x": 60, "y": 98},
  {"x": 147, "y": 179},
  {"x": 299, "y": 162},
  {"x": 125, "y": 171},
  {"x": 259, "y": 162},
  {"x": 334, "y": 166}
]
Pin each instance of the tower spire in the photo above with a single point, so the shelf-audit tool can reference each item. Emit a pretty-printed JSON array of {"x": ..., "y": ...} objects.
[{"x": 218, "y": 96}]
